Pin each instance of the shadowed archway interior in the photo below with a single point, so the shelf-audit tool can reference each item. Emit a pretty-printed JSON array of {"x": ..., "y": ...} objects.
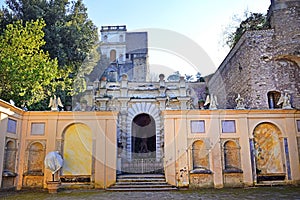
[{"x": 143, "y": 136}]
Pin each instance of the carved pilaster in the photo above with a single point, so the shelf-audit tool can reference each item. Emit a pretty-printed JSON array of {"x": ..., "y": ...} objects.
[
  {"x": 124, "y": 86},
  {"x": 183, "y": 102},
  {"x": 102, "y": 103},
  {"x": 162, "y": 102},
  {"x": 182, "y": 87}
]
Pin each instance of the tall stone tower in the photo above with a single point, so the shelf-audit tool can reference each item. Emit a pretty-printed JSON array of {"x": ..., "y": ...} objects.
[
  {"x": 113, "y": 43},
  {"x": 264, "y": 64},
  {"x": 284, "y": 16},
  {"x": 127, "y": 52}
]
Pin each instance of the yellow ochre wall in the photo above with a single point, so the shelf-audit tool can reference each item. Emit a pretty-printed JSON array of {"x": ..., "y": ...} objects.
[
  {"x": 87, "y": 140},
  {"x": 92, "y": 138},
  {"x": 179, "y": 140}
]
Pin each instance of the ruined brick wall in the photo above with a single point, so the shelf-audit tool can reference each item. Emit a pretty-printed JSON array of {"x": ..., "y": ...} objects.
[
  {"x": 244, "y": 71},
  {"x": 262, "y": 61}
]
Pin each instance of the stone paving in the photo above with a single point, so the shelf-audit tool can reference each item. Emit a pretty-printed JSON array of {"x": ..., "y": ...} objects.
[{"x": 266, "y": 193}]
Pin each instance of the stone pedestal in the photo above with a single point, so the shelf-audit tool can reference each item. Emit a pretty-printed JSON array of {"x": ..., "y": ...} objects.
[
  {"x": 183, "y": 102},
  {"x": 162, "y": 102},
  {"x": 102, "y": 103},
  {"x": 53, "y": 186}
]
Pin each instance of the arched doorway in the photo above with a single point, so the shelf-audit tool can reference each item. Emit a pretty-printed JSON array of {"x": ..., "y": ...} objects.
[
  {"x": 145, "y": 146},
  {"x": 269, "y": 154},
  {"x": 143, "y": 136}
]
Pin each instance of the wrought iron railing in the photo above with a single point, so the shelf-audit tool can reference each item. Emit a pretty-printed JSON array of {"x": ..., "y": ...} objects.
[{"x": 142, "y": 166}]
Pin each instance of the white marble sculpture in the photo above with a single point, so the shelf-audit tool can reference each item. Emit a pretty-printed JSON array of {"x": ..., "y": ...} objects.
[
  {"x": 212, "y": 101},
  {"x": 54, "y": 103},
  {"x": 53, "y": 162},
  {"x": 285, "y": 100},
  {"x": 239, "y": 102}
]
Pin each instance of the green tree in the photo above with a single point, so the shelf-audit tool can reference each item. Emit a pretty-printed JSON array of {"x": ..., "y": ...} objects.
[
  {"x": 69, "y": 34},
  {"x": 27, "y": 72},
  {"x": 253, "y": 21}
]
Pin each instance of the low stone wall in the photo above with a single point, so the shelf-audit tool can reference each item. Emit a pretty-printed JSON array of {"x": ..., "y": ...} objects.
[
  {"x": 233, "y": 180},
  {"x": 201, "y": 181},
  {"x": 33, "y": 181}
]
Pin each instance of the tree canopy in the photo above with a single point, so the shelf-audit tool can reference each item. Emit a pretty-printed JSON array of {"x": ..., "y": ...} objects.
[
  {"x": 69, "y": 34},
  {"x": 27, "y": 73},
  {"x": 253, "y": 21}
]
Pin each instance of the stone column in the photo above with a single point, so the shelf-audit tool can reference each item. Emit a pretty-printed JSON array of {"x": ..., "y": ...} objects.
[
  {"x": 102, "y": 88},
  {"x": 182, "y": 87},
  {"x": 122, "y": 123},
  {"x": 183, "y": 102},
  {"x": 124, "y": 86},
  {"x": 162, "y": 102}
]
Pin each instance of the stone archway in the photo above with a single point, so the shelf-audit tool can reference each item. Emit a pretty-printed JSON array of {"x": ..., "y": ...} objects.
[
  {"x": 269, "y": 152},
  {"x": 144, "y": 141},
  {"x": 143, "y": 138},
  {"x": 153, "y": 111}
]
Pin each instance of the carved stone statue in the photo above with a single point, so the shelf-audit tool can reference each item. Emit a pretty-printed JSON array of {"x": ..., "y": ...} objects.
[
  {"x": 212, "y": 101},
  {"x": 53, "y": 161},
  {"x": 239, "y": 102},
  {"x": 285, "y": 100},
  {"x": 54, "y": 103}
]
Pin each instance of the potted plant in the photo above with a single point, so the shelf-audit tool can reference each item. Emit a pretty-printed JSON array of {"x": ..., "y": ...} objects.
[
  {"x": 68, "y": 106},
  {"x": 201, "y": 104}
]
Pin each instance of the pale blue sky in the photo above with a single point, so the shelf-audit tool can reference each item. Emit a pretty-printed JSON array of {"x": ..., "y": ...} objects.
[{"x": 202, "y": 21}]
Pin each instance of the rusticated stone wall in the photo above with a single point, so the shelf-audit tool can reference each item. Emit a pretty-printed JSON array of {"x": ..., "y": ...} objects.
[{"x": 263, "y": 61}]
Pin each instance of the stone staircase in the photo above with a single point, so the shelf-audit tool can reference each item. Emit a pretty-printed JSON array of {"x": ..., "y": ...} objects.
[{"x": 141, "y": 182}]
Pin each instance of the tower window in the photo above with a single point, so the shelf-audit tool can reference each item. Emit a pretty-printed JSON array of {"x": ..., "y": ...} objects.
[{"x": 112, "y": 56}]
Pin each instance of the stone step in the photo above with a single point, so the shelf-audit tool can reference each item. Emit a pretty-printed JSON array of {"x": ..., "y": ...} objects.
[
  {"x": 143, "y": 186},
  {"x": 270, "y": 183},
  {"x": 77, "y": 186},
  {"x": 140, "y": 189},
  {"x": 140, "y": 176},
  {"x": 141, "y": 182}
]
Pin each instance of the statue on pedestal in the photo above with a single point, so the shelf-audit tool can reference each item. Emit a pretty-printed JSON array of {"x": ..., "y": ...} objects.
[
  {"x": 285, "y": 100},
  {"x": 239, "y": 103},
  {"x": 212, "y": 101},
  {"x": 54, "y": 103}
]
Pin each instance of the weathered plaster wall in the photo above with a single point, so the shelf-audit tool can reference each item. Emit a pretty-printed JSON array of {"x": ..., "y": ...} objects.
[
  {"x": 9, "y": 134},
  {"x": 101, "y": 155},
  {"x": 180, "y": 136}
]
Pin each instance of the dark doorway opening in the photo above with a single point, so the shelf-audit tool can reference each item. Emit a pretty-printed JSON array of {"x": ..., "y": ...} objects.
[{"x": 143, "y": 136}]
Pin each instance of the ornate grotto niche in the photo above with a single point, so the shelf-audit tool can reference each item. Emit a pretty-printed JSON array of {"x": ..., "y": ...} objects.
[
  {"x": 200, "y": 157},
  {"x": 231, "y": 156},
  {"x": 9, "y": 164},
  {"x": 33, "y": 175},
  {"x": 154, "y": 113},
  {"x": 35, "y": 158},
  {"x": 77, "y": 151},
  {"x": 271, "y": 153},
  {"x": 273, "y": 98},
  {"x": 10, "y": 156}
]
